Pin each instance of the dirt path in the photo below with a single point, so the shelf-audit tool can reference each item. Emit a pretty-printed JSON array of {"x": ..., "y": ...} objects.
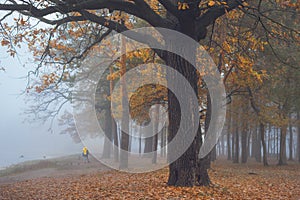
[{"x": 62, "y": 167}]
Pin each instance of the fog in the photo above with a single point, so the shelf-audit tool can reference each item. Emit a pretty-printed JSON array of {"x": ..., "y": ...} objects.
[{"x": 19, "y": 140}]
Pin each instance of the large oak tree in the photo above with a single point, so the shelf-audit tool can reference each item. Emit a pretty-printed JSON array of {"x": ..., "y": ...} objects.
[{"x": 191, "y": 17}]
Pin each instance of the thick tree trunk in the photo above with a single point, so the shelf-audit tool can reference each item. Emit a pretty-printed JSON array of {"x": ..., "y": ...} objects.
[
  {"x": 262, "y": 135},
  {"x": 282, "y": 154},
  {"x": 187, "y": 170},
  {"x": 183, "y": 170}
]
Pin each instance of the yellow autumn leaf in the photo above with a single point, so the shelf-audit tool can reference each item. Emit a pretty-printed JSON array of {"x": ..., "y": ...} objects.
[
  {"x": 185, "y": 6},
  {"x": 211, "y": 3}
]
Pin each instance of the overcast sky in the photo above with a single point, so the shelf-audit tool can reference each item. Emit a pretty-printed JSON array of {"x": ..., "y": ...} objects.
[{"x": 17, "y": 138}]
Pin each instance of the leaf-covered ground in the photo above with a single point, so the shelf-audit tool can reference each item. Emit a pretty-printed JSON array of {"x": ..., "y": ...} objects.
[{"x": 230, "y": 181}]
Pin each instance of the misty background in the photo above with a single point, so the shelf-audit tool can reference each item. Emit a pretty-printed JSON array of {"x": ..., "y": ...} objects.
[{"x": 19, "y": 139}]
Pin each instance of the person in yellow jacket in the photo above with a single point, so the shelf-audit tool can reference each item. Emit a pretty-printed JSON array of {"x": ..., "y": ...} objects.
[{"x": 85, "y": 154}]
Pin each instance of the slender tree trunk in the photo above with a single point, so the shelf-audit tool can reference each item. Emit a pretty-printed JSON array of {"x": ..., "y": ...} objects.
[
  {"x": 273, "y": 141},
  {"x": 155, "y": 141},
  {"x": 162, "y": 142},
  {"x": 222, "y": 145},
  {"x": 202, "y": 176},
  {"x": 244, "y": 130},
  {"x": 244, "y": 142},
  {"x": 234, "y": 129},
  {"x": 277, "y": 143},
  {"x": 244, "y": 147},
  {"x": 125, "y": 118},
  {"x": 258, "y": 146},
  {"x": 262, "y": 135},
  {"x": 114, "y": 130},
  {"x": 155, "y": 132},
  {"x": 253, "y": 142},
  {"x": 232, "y": 144},
  {"x": 291, "y": 140},
  {"x": 282, "y": 154},
  {"x": 298, "y": 130},
  {"x": 213, "y": 153},
  {"x": 269, "y": 140},
  {"x": 148, "y": 144},
  {"x": 228, "y": 146},
  {"x": 140, "y": 141},
  {"x": 108, "y": 139},
  {"x": 248, "y": 142},
  {"x": 237, "y": 145},
  {"x": 229, "y": 121},
  {"x": 236, "y": 136},
  {"x": 130, "y": 138}
]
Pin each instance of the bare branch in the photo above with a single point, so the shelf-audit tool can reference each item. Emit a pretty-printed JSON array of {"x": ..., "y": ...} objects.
[{"x": 215, "y": 12}]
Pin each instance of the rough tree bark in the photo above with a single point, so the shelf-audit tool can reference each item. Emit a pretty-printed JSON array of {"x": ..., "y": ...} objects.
[{"x": 183, "y": 171}]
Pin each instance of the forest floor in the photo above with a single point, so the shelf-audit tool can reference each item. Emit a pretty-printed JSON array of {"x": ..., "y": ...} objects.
[{"x": 70, "y": 178}]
